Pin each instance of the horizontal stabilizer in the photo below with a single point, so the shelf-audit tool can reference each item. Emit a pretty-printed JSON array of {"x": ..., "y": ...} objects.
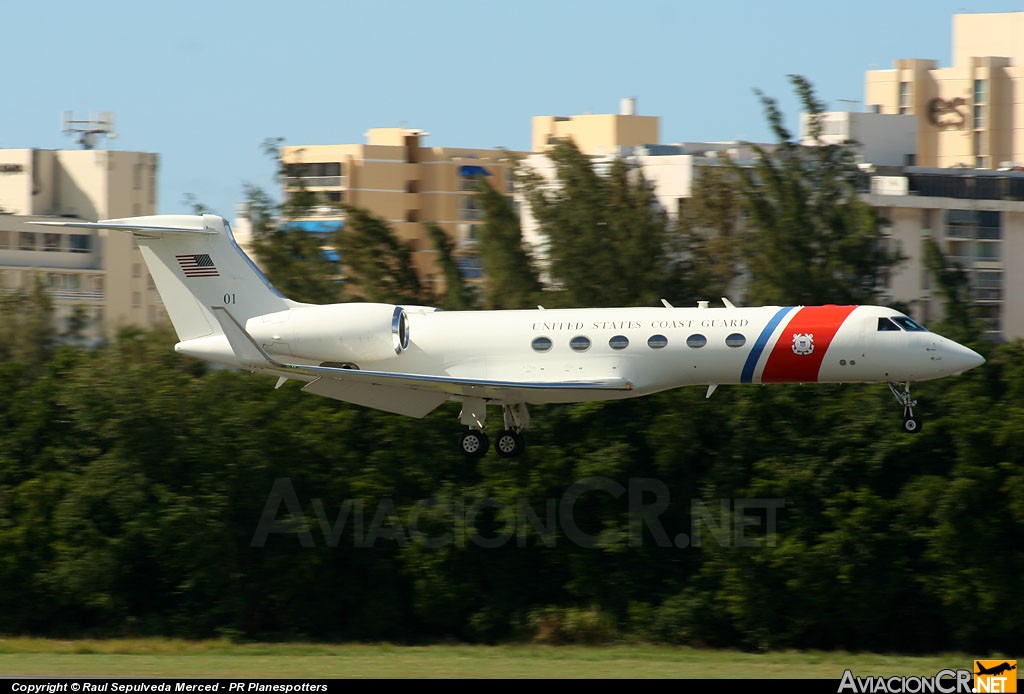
[{"x": 119, "y": 225}]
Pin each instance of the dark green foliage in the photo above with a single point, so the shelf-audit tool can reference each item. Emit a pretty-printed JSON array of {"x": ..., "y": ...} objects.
[
  {"x": 457, "y": 296},
  {"x": 510, "y": 279},
  {"x": 811, "y": 240},
  {"x": 711, "y": 232},
  {"x": 607, "y": 241},
  {"x": 377, "y": 262},
  {"x": 295, "y": 262}
]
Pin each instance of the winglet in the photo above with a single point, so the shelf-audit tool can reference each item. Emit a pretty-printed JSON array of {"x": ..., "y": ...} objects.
[
  {"x": 728, "y": 304},
  {"x": 666, "y": 304},
  {"x": 246, "y": 350}
]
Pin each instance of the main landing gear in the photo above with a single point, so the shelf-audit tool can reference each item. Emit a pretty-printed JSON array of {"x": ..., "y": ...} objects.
[
  {"x": 509, "y": 443},
  {"x": 911, "y": 423}
]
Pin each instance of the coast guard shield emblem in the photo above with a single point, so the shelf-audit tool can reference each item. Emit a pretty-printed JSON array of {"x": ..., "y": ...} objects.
[{"x": 803, "y": 343}]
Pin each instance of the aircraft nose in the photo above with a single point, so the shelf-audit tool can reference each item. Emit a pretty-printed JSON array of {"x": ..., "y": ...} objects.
[{"x": 959, "y": 358}]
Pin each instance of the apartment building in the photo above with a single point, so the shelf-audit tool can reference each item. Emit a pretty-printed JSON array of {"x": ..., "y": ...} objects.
[
  {"x": 398, "y": 177},
  {"x": 970, "y": 114},
  {"x": 95, "y": 275}
]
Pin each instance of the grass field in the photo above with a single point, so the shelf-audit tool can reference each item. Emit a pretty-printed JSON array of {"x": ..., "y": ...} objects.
[{"x": 174, "y": 658}]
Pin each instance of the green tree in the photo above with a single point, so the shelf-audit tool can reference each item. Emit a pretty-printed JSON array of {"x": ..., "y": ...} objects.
[
  {"x": 510, "y": 280},
  {"x": 954, "y": 289},
  {"x": 458, "y": 296},
  {"x": 710, "y": 234},
  {"x": 810, "y": 239},
  {"x": 376, "y": 262},
  {"x": 27, "y": 332},
  {"x": 607, "y": 240}
]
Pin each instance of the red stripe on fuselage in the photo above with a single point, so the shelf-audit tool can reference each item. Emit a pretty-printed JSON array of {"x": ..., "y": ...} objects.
[{"x": 821, "y": 323}]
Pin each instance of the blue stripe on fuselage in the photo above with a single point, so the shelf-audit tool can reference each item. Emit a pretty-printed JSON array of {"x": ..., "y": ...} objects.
[{"x": 747, "y": 376}]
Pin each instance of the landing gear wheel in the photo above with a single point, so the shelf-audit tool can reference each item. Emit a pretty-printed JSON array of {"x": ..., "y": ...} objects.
[
  {"x": 509, "y": 444},
  {"x": 911, "y": 423},
  {"x": 473, "y": 443}
]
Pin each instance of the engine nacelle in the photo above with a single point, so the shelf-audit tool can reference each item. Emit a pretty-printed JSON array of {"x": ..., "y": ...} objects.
[{"x": 340, "y": 333}]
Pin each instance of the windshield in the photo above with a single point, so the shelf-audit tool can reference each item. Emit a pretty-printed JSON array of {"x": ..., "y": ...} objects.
[{"x": 909, "y": 325}]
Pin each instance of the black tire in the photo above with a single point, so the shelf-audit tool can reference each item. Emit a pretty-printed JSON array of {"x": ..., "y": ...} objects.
[
  {"x": 509, "y": 444},
  {"x": 911, "y": 425},
  {"x": 473, "y": 443}
]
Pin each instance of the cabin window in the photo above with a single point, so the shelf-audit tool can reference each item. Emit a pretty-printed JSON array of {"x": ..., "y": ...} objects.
[
  {"x": 541, "y": 344},
  {"x": 619, "y": 342},
  {"x": 886, "y": 325},
  {"x": 909, "y": 325},
  {"x": 657, "y": 341},
  {"x": 580, "y": 343},
  {"x": 736, "y": 340},
  {"x": 696, "y": 341}
]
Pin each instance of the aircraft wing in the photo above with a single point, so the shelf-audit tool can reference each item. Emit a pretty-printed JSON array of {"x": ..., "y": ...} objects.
[{"x": 405, "y": 393}]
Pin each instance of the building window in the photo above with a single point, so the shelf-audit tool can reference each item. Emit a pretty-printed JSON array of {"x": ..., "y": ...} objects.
[
  {"x": 470, "y": 266},
  {"x": 905, "y": 97},
  {"x": 657, "y": 341},
  {"x": 136, "y": 270},
  {"x": 51, "y": 242},
  {"x": 541, "y": 344},
  {"x": 96, "y": 283},
  {"x": 334, "y": 196},
  {"x": 136, "y": 299},
  {"x": 469, "y": 208},
  {"x": 5, "y": 238},
  {"x": 619, "y": 342},
  {"x": 987, "y": 285},
  {"x": 79, "y": 243},
  {"x": 412, "y": 186},
  {"x": 150, "y": 284},
  {"x": 979, "y": 91},
  {"x": 979, "y": 117},
  {"x": 412, "y": 215},
  {"x": 26, "y": 241}
]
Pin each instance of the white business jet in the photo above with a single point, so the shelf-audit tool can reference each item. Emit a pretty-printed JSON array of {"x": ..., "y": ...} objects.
[{"x": 411, "y": 359}]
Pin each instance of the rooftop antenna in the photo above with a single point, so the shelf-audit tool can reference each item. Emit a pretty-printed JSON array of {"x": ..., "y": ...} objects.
[{"x": 88, "y": 131}]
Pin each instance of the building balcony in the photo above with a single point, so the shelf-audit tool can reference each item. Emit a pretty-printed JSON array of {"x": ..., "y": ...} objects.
[
  {"x": 78, "y": 295},
  {"x": 293, "y": 182}
]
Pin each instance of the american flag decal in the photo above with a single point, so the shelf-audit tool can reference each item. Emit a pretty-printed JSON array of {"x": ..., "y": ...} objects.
[{"x": 197, "y": 265}]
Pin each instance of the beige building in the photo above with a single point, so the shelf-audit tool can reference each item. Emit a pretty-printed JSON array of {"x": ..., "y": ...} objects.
[
  {"x": 399, "y": 178},
  {"x": 598, "y": 134},
  {"x": 99, "y": 275},
  {"x": 971, "y": 114}
]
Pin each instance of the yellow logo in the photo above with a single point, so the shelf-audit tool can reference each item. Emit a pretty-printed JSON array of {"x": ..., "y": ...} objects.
[{"x": 995, "y": 676}]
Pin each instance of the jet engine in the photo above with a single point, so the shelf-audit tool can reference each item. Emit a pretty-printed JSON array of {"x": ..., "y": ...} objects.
[{"x": 337, "y": 333}]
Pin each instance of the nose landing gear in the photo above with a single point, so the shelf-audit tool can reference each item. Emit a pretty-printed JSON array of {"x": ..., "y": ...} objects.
[{"x": 901, "y": 391}]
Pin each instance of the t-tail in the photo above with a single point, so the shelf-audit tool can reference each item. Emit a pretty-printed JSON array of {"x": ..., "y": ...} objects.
[{"x": 196, "y": 265}]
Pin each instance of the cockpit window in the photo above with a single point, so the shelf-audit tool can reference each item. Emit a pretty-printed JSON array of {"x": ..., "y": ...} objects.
[
  {"x": 884, "y": 325},
  {"x": 909, "y": 325}
]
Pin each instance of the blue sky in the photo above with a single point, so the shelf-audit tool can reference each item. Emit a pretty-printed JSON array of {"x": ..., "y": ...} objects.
[{"x": 203, "y": 83}]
